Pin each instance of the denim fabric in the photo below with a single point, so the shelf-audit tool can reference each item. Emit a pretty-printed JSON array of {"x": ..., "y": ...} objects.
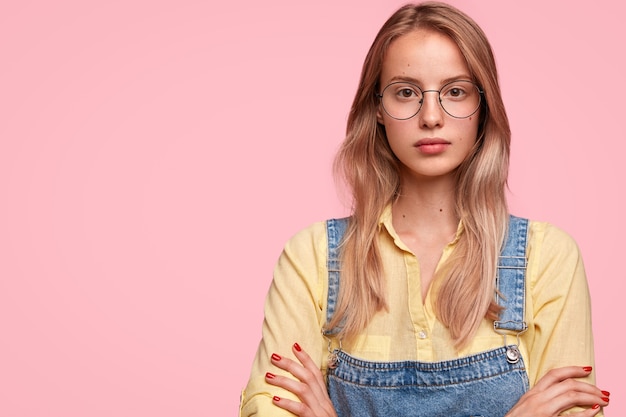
[
  {"x": 335, "y": 229},
  {"x": 511, "y": 275},
  {"x": 485, "y": 384}
]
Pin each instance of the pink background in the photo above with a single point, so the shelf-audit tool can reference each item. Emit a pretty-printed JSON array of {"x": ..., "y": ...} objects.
[{"x": 156, "y": 155}]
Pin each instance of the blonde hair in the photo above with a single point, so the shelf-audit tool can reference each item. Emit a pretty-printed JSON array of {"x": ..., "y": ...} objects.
[{"x": 369, "y": 167}]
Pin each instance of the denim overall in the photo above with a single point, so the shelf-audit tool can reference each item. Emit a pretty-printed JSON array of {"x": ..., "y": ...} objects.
[{"x": 486, "y": 384}]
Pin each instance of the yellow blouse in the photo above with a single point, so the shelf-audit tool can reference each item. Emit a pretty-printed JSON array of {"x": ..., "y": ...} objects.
[{"x": 557, "y": 307}]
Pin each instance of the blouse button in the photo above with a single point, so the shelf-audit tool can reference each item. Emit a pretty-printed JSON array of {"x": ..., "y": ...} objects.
[{"x": 422, "y": 334}]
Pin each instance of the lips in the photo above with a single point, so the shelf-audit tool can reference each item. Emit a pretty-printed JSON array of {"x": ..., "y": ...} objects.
[
  {"x": 431, "y": 141},
  {"x": 432, "y": 146}
]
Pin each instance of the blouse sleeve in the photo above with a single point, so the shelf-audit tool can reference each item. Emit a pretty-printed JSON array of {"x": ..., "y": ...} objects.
[
  {"x": 294, "y": 312},
  {"x": 560, "y": 304}
]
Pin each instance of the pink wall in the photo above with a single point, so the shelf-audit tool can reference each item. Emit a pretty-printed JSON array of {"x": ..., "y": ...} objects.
[{"x": 156, "y": 155}]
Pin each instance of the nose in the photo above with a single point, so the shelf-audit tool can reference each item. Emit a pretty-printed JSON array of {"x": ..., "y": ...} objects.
[{"x": 431, "y": 113}]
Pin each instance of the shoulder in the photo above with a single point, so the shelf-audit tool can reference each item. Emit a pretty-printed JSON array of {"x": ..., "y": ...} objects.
[
  {"x": 308, "y": 248},
  {"x": 310, "y": 237},
  {"x": 554, "y": 258},
  {"x": 299, "y": 273},
  {"x": 316, "y": 234},
  {"x": 550, "y": 239}
]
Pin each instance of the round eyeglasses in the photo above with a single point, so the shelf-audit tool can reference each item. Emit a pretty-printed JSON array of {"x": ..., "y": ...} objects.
[{"x": 403, "y": 100}]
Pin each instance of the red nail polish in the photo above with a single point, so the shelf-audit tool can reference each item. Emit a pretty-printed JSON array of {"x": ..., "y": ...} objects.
[
  {"x": 276, "y": 398},
  {"x": 276, "y": 357},
  {"x": 605, "y": 399},
  {"x": 269, "y": 375},
  {"x": 606, "y": 393},
  {"x": 596, "y": 406},
  {"x": 297, "y": 347},
  {"x": 587, "y": 368}
]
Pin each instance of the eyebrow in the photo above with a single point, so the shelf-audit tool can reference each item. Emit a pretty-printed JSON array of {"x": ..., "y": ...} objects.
[{"x": 416, "y": 81}]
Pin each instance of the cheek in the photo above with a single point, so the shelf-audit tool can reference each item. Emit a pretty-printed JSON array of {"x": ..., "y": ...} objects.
[
  {"x": 396, "y": 130},
  {"x": 472, "y": 126}
]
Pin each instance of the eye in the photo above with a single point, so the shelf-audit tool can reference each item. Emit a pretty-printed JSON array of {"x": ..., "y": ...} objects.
[
  {"x": 455, "y": 92},
  {"x": 458, "y": 91},
  {"x": 406, "y": 93}
]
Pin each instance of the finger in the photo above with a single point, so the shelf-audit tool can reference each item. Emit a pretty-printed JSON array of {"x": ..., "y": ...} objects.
[
  {"x": 305, "y": 388},
  {"x": 299, "y": 409},
  {"x": 310, "y": 405},
  {"x": 566, "y": 394},
  {"x": 302, "y": 410},
  {"x": 575, "y": 386},
  {"x": 581, "y": 397},
  {"x": 596, "y": 409},
  {"x": 323, "y": 405},
  {"x": 560, "y": 374},
  {"x": 309, "y": 375},
  {"x": 310, "y": 365},
  {"x": 284, "y": 382},
  {"x": 560, "y": 391},
  {"x": 589, "y": 412}
]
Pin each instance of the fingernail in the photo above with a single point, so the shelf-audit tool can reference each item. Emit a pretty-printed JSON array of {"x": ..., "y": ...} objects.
[
  {"x": 278, "y": 398},
  {"x": 606, "y": 393},
  {"x": 269, "y": 375},
  {"x": 587, "y": 368},
  {"x": 596, "y": 406},
  {"x": 276, "y": 357},
  {"x": 605, "y": 399},
  {"x": 297, "y": 347}
]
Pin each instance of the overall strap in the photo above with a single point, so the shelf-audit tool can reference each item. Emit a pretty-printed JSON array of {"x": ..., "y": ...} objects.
[
  {"x": 335, "y": 229},
  {"x": 510, "y": 278},
  {"x": 511, "y": 289}
]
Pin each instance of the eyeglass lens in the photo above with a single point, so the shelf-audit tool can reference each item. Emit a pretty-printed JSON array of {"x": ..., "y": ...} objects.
[{"x": 403, "y": 100}]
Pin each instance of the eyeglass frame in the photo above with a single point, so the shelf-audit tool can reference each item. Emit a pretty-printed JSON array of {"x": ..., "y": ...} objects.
[{"x": 481, "y": 94}]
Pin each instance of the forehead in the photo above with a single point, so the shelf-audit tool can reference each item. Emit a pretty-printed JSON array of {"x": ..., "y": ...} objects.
[{"x": 426, "y": 56}]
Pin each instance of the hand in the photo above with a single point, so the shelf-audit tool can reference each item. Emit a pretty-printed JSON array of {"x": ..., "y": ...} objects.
[
  {"x": 310, "y": 387},
  {"x": 557, "y": 391}
]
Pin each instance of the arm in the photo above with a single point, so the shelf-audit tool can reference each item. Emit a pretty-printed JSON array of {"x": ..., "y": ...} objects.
[
  {"x": 294, "y": 311},
  {"x": 560, "y": 340}
]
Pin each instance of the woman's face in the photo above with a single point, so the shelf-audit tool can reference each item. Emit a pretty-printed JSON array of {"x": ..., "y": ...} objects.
[{"x": 432, "y": 143}]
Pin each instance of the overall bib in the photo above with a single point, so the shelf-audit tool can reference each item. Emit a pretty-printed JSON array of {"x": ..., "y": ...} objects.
[{"x": 486, "y": 384}]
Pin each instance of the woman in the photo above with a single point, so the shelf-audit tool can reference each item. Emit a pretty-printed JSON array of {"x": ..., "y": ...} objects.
[{"x": 430, "y": 299}]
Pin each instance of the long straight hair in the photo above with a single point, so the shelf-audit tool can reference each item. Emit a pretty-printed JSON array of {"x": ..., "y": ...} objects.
[{"x": 365, "y": 162}]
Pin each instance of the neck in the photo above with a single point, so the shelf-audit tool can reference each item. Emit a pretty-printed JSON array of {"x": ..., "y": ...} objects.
[{"x": 426, "y": 205}]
